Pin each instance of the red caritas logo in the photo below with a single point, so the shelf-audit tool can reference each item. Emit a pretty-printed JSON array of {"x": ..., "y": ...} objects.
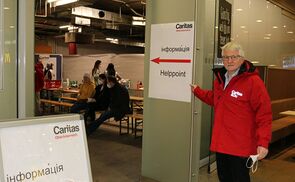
[
  {"x": 66, "y": 131},
  {"x": 184, "y": 27}
]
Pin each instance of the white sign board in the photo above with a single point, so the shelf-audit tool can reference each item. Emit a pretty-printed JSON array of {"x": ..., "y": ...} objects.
[
  {"x": 171, "y": 59},
  {"x": 45, "y": 153}
]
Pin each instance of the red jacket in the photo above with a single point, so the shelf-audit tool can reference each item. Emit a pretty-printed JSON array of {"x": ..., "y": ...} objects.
[
  {"x": 39, "y": 76},
  {"x": 242, "y": 112}
]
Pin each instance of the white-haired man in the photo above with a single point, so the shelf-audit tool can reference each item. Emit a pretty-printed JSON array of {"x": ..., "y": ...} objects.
[{"x": 242, "y": 114}]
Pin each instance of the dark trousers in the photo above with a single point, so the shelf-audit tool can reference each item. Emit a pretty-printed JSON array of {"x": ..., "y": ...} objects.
[
  {"x": 232, "y": 168},
  {"x": 94, "y": 125},
  {"x": 78, "y": 106}
]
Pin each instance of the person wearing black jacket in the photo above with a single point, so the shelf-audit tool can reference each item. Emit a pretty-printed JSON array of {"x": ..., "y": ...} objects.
[
  {"x": 119, "y": 104},
  {"x": 100, "y": 101}
]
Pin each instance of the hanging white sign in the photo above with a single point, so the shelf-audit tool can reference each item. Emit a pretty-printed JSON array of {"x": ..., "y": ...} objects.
[{"x": 171, "y": 60}]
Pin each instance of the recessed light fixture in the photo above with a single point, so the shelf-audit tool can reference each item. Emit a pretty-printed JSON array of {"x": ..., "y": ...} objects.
[
  {"x": 284, "y": 26},
  {"x": 11, "y": 26},
  {"x": 64, "y": 26},
  {"x": 61, "y": 2},
  {"x": 139, "y": 23},
  {"x": 266, "y": 38},
  {"x": 6, "y": 8},
  {"x": 268, "y": 34},
  {"x": 259, "y": 21},
  {"x": 290, "y": 32},
  {"x": 274, "y": 27},
  {"x": 243, "y": 26},
  {"x": 255, "y": 62},
  {"x": 239, "y": 9}
]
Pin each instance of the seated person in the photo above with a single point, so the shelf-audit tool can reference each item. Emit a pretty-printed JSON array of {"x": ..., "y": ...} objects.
[
  {"x": 87, "y": 89},
  {"x": 119, "y": 104},
  {"x": 100, "y": 101}
]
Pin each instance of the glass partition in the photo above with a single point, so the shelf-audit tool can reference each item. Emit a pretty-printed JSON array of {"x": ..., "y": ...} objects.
[{"x": 8, "y": 59}]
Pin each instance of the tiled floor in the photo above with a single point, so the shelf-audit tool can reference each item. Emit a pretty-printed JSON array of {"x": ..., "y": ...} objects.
[{"x": 117, "y": 158}]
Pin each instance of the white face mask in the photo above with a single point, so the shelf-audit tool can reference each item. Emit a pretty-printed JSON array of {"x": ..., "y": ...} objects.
[
  {"x": 252, "y": 162},
  {"x": 109, "y": 85},
  {"x": 99, "y": 82}
]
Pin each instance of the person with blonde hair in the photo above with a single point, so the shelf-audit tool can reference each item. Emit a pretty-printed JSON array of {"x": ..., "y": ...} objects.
[
  {"x": 86, "y": 90},
  {"x": 242, "y": 115}
]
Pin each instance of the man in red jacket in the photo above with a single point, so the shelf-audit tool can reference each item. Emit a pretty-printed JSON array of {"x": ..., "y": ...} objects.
[
  {"x": 242, "y": 114},
  {"x": 39, "y": 83}
]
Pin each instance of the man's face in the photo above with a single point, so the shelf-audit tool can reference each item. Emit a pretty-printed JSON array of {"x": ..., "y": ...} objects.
[
  {"x": 232, "y": 60},
  {"x": 110, "y": 84}
]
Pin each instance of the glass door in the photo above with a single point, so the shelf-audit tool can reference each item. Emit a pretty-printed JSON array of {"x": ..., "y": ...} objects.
[{"x": 8, "y": 59}]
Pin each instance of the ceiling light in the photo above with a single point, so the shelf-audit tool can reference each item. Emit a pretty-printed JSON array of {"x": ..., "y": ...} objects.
[
  {"x": 272, "y": 65},
  {"x": 268, "y": 34},
  {"x": 243, "y": 26},
  {"x": 266, "y": 38},
  {"x": 139, "y": 23},
  {"x": 6, "y": 8},
  {"x": 138, "y": 18},
  {"x": 258, "y": 21},
  {"x": 112, "y": 40},
  {"x": 11, "y": 26},
  {"x": 284, "y": 26},
  {"x": 64, "y": 26},
  {"x": 239, "y": 9},
  {"x": 290, "y": 32},
  {"x": 61, "y": 2},
  {"x": 255, "y": 62},
  {"x": 274, "y": 27}
]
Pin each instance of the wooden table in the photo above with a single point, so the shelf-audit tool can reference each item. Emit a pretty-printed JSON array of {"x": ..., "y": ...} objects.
[
  {"x": 137, "y": 101},
  {"x": 288, "y": 113},
  {"x": 72, "y": 91},
  {"x": 69, "y": 98}
]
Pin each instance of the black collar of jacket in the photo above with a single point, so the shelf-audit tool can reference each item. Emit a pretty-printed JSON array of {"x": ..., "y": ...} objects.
[{"x": 246, "y": 67}]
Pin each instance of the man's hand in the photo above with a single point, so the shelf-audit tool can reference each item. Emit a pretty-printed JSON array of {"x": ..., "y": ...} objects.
[
  {"x": 91, "y": 100},
  {"x": 193, "y": 87},
  {"x": 262, "y": 152}
]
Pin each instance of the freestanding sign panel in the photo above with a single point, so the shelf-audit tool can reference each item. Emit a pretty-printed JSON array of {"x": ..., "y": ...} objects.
[
  {"x": 45, "y": 152},
  {"x": 171, "y": 61}
]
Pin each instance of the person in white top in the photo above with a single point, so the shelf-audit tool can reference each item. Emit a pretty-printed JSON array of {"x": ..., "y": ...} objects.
[{"x": 96, "y": 71}]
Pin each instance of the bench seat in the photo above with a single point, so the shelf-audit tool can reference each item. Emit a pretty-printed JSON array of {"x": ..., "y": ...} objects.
[
  {"x": 282, "y": 128},
  {"x": 55, "y": 103}
]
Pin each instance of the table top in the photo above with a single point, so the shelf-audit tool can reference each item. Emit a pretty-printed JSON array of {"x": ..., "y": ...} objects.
[
  {"x": 288, "y": 113},
  {"x": 135, "y": 98},
  {"x": 74, "y": 91},
  {"x": 69, "y": 98}
]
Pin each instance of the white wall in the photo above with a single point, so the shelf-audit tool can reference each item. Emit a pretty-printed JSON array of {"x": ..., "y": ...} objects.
[{"x": 268, "y": 41}]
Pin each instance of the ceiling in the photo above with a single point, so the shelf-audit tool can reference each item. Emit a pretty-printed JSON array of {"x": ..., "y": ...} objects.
[
  {"x": 119, "y": 26},
  {"x": 288, "y": 5}
]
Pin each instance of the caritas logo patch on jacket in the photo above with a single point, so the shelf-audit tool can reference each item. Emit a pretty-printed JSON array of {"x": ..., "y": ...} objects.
[{"x": 236, "y": 94}]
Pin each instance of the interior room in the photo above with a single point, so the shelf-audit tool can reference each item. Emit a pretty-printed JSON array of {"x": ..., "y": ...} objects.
[{"x": 59, "y": 59}]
